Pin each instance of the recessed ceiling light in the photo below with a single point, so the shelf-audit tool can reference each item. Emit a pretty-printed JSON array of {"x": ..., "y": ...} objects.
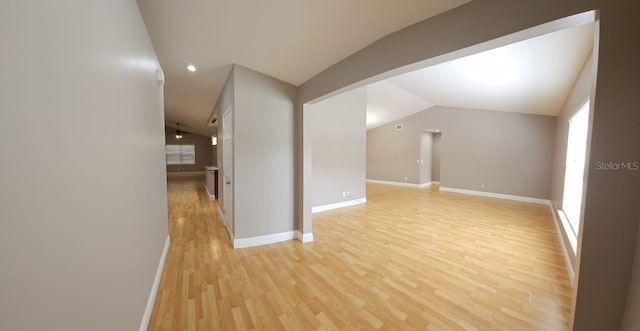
[{"x": 191, "y": 67}]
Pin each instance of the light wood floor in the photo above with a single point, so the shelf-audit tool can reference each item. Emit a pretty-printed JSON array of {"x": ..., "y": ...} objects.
[{"x": 411, "y": 259}]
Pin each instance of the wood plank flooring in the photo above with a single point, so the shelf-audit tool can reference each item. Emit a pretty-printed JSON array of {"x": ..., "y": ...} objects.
[{"x": 411, "y": 259}]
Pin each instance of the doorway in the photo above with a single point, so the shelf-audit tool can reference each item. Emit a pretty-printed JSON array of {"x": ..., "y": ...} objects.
[{"x": 429, "y": 162}]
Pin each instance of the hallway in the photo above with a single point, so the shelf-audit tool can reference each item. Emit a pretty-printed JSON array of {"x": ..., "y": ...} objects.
[{"x": 411, "y": 259}]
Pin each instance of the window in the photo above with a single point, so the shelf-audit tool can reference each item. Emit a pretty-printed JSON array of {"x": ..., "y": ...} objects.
[
  {"x": 181, "y": 154},
  {"x": 574, "y": 173}
]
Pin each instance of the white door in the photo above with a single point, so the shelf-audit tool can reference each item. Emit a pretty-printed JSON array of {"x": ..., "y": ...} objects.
[{"x": 227, "y": 168}]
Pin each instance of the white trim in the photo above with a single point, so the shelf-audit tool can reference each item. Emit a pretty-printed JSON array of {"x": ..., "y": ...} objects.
[
  {"x": 211, "y": 196},
  {"x": 185, "y": 173},
  {"x": 496, "y": 195},
  {"x": 304, "y": 237},
  {"x": 337, "y": 205},
  {"x": 263, "y": 240},
  {"x": 565, "y": 252},
  {"x": 222, "y": 218},
  {"x": 146, "y": 317},
  {"x": 384, "y": 182},
  {"x": 566, "y": 225},
  {"x": 435, "y": 182}
]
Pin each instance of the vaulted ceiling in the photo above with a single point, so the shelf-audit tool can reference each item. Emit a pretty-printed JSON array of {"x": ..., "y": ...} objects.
[
  {"x": 533, "y": 76},
  {"x": 291, "y": 40}
]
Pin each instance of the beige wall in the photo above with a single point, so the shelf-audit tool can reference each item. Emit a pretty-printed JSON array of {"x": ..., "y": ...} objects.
[
  {"x": 508, "y": 153},
  {"x": 608, "y": 242},
  {"x": 339, "y": 147},
  {"x": 263, "y": 154},
  {"x": 204, "y": 150},
  {"x": 83, "y": 194},
  {"x": 631, "y": 321},
  {"x": 392, "y": 154}
]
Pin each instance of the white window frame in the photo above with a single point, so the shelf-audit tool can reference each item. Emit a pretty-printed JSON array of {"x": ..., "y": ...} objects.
[
  {"x": 574, "y": 174},
  {"x": 180, "y": 154}
]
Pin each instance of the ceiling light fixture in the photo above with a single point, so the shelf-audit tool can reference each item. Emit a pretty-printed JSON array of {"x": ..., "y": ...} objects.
[
  {"x": 191, "y": 67},
  {"x": 178, "y": 132}
]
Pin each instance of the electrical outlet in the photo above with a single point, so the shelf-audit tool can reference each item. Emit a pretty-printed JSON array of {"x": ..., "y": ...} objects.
[
  {"x": 406, "y": 178},
  {"x": 344, "y": 194},
  {"x": 348, "y": 194},
  {"x": 481, "y": 185}
]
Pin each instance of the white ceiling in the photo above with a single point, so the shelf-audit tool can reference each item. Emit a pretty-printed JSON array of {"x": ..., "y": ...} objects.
[
  {"x": 533, "y": 76},
  {"x": 291, "y": 40}
]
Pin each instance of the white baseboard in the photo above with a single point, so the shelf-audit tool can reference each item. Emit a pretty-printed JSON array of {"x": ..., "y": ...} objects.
[
  {"x": 337, "y": 205},
  {"x": 568, "y": 261},
  {"x": 496, "y": 195},
  {"x": 223, "y": 220},
  {"x": 185, "y": 173},
  {"x": 209, "y": 194},
  {"x": 304, "y": 237},
  {"x": 146, "y": 317},
  {"x": 384, "y": 182},
  {"x": 263, "y": 240},
  {"x": 221, "y": 214}
]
